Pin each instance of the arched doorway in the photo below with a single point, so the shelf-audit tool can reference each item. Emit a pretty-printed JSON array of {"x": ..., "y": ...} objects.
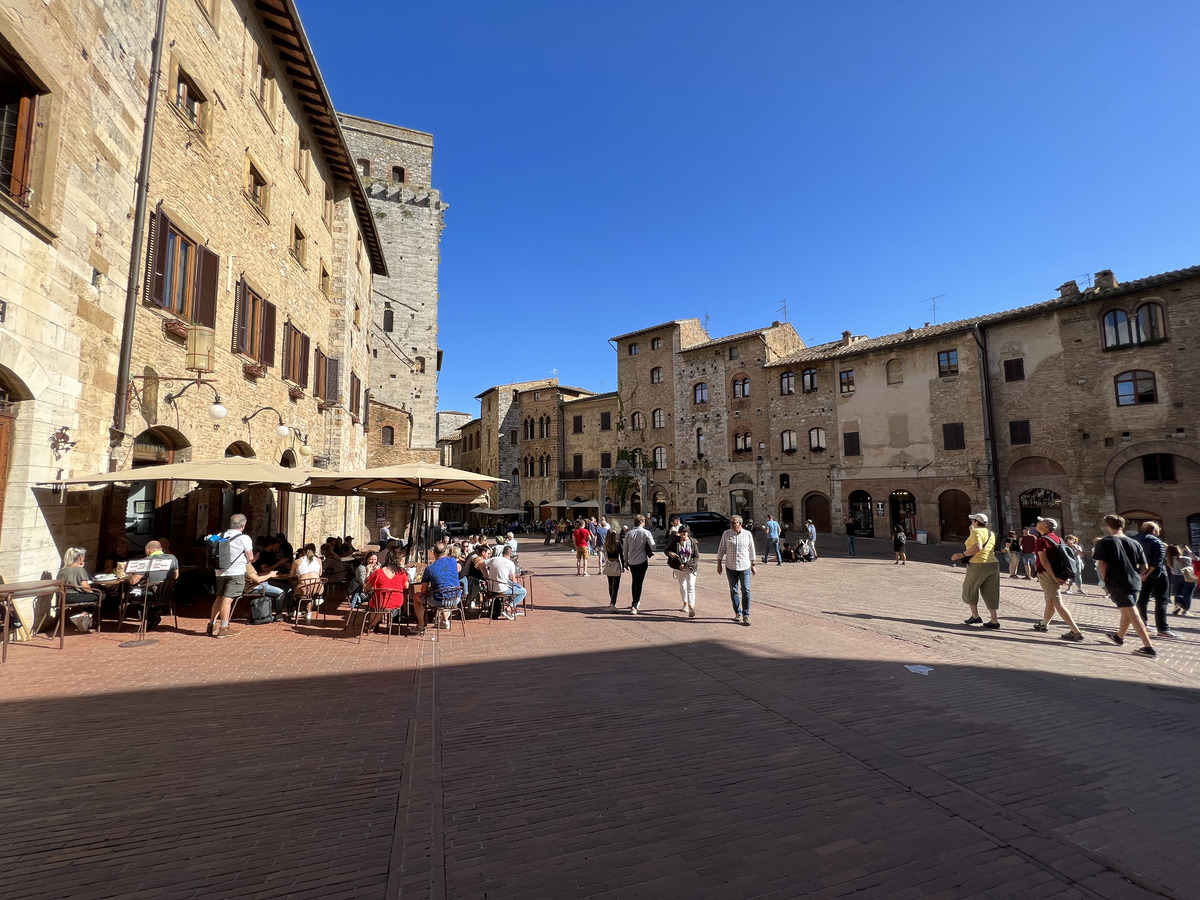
[
  {"x": 741, "y": 500},
  {"x": 953, "y": 509},
  {"x": 1037, "y": 503},
  {"x": 787, "y": 515},
  {"x": 528, "y": 507},
  {"x": 148, "y": 503},
  {"x": 8, "y": 415},
  {"x": 859, "y": 505},
  {"x": 635, "y": 503},
  {"x": 1136, "y": 518},
  {"x": 286, "y": 507},
  {"x": 903, "y": 508},
  {"x": 545, "y": 510},
  {"x": 239, "y": 448},
  {"x": 816, "y": 509},
  {"x": 659, "y": 508}
]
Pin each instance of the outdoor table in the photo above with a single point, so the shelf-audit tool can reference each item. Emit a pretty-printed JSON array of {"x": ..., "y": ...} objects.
[
  {"x": 525, "y": 579},
  {"x": 24, "y": 590}
]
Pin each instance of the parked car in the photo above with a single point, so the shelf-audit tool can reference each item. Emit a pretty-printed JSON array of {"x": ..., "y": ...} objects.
[
  {"x": 454, "y": 529},
  {"x": 703, "y": 524}
]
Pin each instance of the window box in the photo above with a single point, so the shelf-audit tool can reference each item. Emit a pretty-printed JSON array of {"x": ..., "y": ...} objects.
[
  {"x": 295, "y": 393},
  {"x": 176, "y": 328},
  {"x": 254, "y": 370}
]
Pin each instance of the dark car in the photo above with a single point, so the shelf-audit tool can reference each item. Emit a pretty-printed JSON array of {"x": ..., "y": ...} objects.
[
  {"x": 703, "y": 523},
  {"x": 454, "y": 529}
]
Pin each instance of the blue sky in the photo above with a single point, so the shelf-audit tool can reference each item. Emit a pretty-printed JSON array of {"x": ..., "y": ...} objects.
[{"x": 613, "y": 165}]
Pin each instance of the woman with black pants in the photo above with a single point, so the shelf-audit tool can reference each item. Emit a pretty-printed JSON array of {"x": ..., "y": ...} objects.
[{"x": 614, "y": 561}]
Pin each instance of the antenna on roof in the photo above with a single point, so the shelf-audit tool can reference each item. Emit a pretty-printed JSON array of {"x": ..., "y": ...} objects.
[
  {"x": 783, "y": 308},
  {"x": 706, "y": 321},
  {"x": 554, "y": 373},
  {"x": 932, "y": 301}
]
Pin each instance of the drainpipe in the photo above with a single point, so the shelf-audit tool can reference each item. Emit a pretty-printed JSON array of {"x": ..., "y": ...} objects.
[
  {"x": 989, "y": 426},
  {"x": 117, "y": 433}
]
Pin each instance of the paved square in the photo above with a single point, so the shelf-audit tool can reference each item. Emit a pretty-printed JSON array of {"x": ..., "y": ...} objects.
[{"x": 576, "y": 753}]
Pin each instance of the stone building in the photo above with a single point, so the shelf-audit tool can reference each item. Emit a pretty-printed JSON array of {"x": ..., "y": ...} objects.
[
  {"x": 589, "y": 430},
  {"x": 395, "y": 166},
  {"x": 259, "y": 235}
]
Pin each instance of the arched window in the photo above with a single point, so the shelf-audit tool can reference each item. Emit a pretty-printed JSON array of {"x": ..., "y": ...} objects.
[
  {"x": 1136, "y": 387},
  {"x": 743, "y": 442},
  {"x": 1149, "y": 323},
  {"x": 745, "y": 387},
  {"x": 387, "y": 436},
  {"x": 1118, "y": 331},
  {"x": 700, "y": 443},
  {"x": 397, "y": 174},
  {"x": 660, "y": 457},
  {"x": 658, "y": 418},
  {"x": 737, "y": 388},
  {"x": 419, "y": 365},
  {"x": 637, "y": 421},
  {"x": 528, "y": 462},
  {"x": 808, "y": 380},
  {"x": 544, "y": 427},
  {"x": 515, "y": 479},
  {"x": 787, "y": 383},
  {"x": 788, "y": 441},
  {"x": 700, "y": 393},
  {"x": 656, "y": 375},
  {"x": 785, "y": 480},
  {"x": 388, "y": 320},
  {"x": 816, "y": 439},
  {"x": 895, "y": 371},
  {"x": 701, "y": 486}
]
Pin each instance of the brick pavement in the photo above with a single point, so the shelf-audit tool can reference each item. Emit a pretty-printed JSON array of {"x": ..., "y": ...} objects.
[{"x": 578, "y": 753}]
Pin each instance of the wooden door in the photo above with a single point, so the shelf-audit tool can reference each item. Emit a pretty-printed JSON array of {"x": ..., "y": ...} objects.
[
  {"x": 953, "y": 509},
  {"x": 816, "y": 507},
  {"x": 6, "y": 432}
]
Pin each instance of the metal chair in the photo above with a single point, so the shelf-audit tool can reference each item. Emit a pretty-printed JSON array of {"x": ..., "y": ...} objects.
[
  {"x": 377, "y": 606},
  {"x": 438, "y": 601},
  {"x": 159, "y": 593},
  {"x": 312, "y": 590}
]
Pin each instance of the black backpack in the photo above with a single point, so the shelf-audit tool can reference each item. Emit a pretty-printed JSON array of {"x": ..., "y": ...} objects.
[{"x": 1063, "y": 559}]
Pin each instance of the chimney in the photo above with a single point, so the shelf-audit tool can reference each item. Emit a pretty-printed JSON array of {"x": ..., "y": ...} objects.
[
  {"x": 845, "y": 339},
  {"x": 1068, "y": 289},
  {"x": 1105, "y": 280},
  {"x": 775, "y": 324}
]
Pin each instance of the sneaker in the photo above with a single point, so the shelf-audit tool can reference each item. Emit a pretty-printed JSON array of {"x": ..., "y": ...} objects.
[
  {"x": 585, "y": 574},
  {"x": 1073, "y": 636},
  {"x": 746, "y": 621},
  {"x": 211, "y": 631},
  {"x": 1146, "y": 651},
  {"x": 991, "y": 624},
  {"x": 973, "y": 620},
  {"x": 226, "y": 631},
  {"x": 1178, "y": 610},
  {"x": 1014, "y": 576},
  {"x": 691, "y": 612},
  {"x": 612, "y": 607},
  {"x": 1168, "y": 634},
  {"x": 633, "y": 610},
  {"x": 738, "y": 618},
  {"x": 507, "y": 615},
  {"x": 1116, "y": 639},
  {"x": 1038, "y": 626},
  {"x": 318, "y": 601}
]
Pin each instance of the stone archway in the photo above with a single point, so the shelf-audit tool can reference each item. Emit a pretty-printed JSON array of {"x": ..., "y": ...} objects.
[
  {"x": 816, "y": 510},
  {"x": 1038, "y": 483}
]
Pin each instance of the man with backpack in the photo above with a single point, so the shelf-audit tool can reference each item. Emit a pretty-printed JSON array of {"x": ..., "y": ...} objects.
[
  {"x": 1053, "y": 571},
  {"x": 1155, "y": 581},
  {"x": 235, "y": 550},
  {"x": 1121, "y": 564}
]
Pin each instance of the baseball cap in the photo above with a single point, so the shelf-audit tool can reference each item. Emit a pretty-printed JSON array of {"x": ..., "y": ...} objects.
[
  {"x": 979, "y": 517},
  {"x": 1053, "y": 523}
]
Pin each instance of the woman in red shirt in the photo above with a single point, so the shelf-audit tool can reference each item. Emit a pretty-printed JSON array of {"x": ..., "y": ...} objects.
[{"x": 387, "y": 585}]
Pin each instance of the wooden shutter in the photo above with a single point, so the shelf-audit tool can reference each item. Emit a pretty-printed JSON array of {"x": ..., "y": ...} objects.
[
  {"x": 303, "y": 379},
  {"x": 366, "y": 409},
  {"x": 156, "y": 254},
  {"x": 332, "y": 392},
  {"x": 285, "y": 370},
  {"x": 318, "y": 388},
  {"x": 208, "y": 270},
  {"x": 267, "y": 347},
  {"x": 238, "y": 345}
]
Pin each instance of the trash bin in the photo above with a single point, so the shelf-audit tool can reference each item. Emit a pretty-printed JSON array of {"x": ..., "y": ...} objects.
[{"x": 922, "y": 537}]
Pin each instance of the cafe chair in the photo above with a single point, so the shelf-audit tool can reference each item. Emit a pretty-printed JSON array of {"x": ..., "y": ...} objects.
[
  {"x": 440, "y": 601},
  {"x": 82, "y": 601},
  {"x": 151, "y": 596},
  {"x": 376, "y": 610},
  {"x": 312, "y": 591}
]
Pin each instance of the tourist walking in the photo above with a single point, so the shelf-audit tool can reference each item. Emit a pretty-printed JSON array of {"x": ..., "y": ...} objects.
[
  {"x": 582, "y": 539},
  {"x": 614, "y": 565},
  {"x": 683, "y": 555},
  {"x": 772, "y": 530},
  {"x": 736, "y": 556},
  {"x": 1049, "y": 542},
  {"x": 1014, "y": 553},
  {"x": 812, "y": 537},
  {"x": 637, "y": 546},
  {"x": 1075, "y": 586},
  {"x": 983, "y": 572},
  {"x": 601, "y": 542},
  {"x": 899, "y": 542},
  {"x": 1154, "y": 583},
  {"x": 234, "y": 552},
  {"x": 849, "y": 525},
  {"x": 1028, "y": 543},
  {"x": 1182, "y": 567},
  {"x": 1121, "y": 563}
]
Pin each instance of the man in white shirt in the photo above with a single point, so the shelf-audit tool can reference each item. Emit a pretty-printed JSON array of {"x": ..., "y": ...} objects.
[
  {"x": 237, "y": 550},
  {"x": 501, "y": 572},
  {"x": 637, "y": 546},
  {"x": 736, "y": 556}
]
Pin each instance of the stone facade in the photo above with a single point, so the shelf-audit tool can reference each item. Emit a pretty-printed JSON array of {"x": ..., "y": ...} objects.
[
  {"x": 389, "y": 444},
  {"x": 396, "y": 168},
  {"x": 588, "y": 457},
  {"x": 255, "y": 223}
]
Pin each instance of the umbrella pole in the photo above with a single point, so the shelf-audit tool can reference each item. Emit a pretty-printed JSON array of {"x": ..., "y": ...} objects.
[
  {"x": 304, "y": 526},
  {"x": 345, "y": 507}
]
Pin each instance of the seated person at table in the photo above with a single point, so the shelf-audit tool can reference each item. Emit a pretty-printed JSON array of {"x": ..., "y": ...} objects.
[
  {"x": 271, "y": 558},
  {"x": 154, "y": 550},
  {"x": 307, "y": 567},
  {"x": 285, "y": 549},
  {"x": 347, "y": 548},
  {"x": 362, "y": 577},
  {"x": 260, "y": 584},
  {"x": 442, "y": 586},
  {"x": 333, "y": 569},
  {"x": 73, "y": 574},
  {"x": 501, "y": 572},
  {"x": 119, "y": 555},
  {"x": 388, "y": 584}
]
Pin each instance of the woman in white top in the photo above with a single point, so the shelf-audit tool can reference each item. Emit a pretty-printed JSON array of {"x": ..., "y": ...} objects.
[{"x": 307, "y": 567}]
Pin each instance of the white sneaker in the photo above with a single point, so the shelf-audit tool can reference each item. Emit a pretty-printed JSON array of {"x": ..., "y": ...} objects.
[
  {"x": 633, "y": 610},
  {"x": 738, "y": 618}
]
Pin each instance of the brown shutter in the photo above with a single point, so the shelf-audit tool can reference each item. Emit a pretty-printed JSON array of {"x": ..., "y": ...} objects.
[
  {"x": 267, "y": 351},
  {"x": 303, "y": 379},
  {"x": 156, "y": 259},
  {"x": 285, "y": 370},
  {"x": 208, "y": 270},
  {"x": 366, "y": 409},
  {"x": 238, "y": 345},
  {"x": 332, "y": 393}
]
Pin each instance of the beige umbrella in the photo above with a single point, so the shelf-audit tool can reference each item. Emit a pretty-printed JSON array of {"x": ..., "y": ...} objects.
[
  {"x": 227, "y": 470},
  {"x": 411, "y": 481}
]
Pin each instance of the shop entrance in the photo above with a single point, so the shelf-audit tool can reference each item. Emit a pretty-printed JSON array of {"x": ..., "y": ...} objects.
[
  {"x": 860, "y": 512},
  {"x": 904, "y": 512}
]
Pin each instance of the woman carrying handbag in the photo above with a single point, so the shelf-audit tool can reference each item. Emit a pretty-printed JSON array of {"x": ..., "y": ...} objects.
[
  {"x": 683, "y": 555},
  {"x": 614, "y": 565}
]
